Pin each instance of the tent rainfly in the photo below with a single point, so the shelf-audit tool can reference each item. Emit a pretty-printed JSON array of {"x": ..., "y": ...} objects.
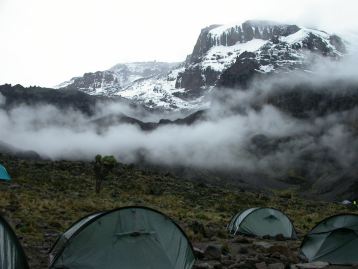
[
  {"x": 127, "y": 238},
  {"x": 262, "y": 222},
  {"x": 333, "y": 240},
  {"x": 12, "y": 255},
  {"x": 3, "y": 173}
]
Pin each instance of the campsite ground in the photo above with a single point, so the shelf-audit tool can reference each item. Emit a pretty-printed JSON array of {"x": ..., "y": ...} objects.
[{"x": 45, "y": 197}]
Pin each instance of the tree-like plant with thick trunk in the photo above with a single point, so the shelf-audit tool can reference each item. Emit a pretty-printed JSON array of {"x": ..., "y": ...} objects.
[{"x": 102, "y": 167}]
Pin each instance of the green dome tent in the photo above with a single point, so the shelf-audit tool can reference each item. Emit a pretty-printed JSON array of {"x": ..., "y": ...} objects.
[
  {"x": 12, "y": 255},
  {"x": 126, "y": 238},
  {"x": 262, "y": 222},
  {"x": 3, "y": 173},
  {"x": 333, "y": 240}
]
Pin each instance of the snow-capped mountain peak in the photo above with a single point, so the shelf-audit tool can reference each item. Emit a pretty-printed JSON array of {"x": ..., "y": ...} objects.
[{"x": 224, "y": 55}]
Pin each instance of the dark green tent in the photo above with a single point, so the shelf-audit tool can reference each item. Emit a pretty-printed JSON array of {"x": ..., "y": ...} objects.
[
  {"x": 4, "y": 174},
  {"x": 262, "y": 221},
  {"x": 333, "y": 240},
  {"x": 12, "y": 255},
  {"x": 126, "y": 238}
]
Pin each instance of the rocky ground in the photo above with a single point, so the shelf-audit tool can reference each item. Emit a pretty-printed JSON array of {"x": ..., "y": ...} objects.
[
  {"x": 46, "y": 197},
  {"x": 256, "y": 253}
]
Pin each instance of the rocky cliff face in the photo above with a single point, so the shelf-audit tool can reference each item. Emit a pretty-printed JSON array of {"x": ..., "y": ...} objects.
[
  {"x": 217, "y": 35},
  {"x": 94, "y": 83},
  {"x": 230, "y": 55}
]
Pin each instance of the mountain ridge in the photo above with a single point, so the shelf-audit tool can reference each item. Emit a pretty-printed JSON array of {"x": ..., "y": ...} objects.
[
  {"x": 255, "y": 47},
  {"x": 115, "y": 78}
]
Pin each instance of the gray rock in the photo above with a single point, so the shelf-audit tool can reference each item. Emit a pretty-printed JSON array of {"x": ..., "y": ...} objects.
[
  {"x": 263, "y": 244},
  {"x": 227, "y": 262},
  {"x": 315, "y": 265},
  {"x": 199, "y": 253},
  {"x": 217, "y": 265},
  {"x": 276, "y": 255},
  {"x": 261, "y": 265},
  {"x": 202, "y": 266},
  {"x": 276, "y": 266}
]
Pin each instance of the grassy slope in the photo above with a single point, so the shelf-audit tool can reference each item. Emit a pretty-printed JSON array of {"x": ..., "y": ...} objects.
[{"x": 45, "y": 197}]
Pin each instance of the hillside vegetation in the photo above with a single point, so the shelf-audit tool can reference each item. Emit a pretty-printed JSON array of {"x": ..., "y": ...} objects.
[{"x": 46, "y": 197}]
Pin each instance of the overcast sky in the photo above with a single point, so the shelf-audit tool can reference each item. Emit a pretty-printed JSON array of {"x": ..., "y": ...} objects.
[{"x": 45, "y": 42}]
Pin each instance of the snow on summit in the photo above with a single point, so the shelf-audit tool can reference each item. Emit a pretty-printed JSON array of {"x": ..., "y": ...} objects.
[{"x": 221, "y": 57}]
